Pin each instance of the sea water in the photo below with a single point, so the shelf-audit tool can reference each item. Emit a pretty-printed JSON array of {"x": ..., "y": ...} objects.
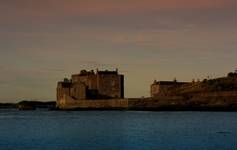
[{"x": 117, "y": 130}]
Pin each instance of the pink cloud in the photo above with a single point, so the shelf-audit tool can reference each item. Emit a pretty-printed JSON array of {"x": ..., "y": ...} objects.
[
  {"x": 107, "y": 8},
  {"x": 104, "y": 7}
]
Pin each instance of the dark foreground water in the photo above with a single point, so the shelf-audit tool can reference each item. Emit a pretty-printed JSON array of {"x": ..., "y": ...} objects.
[{"x": 117, "y": 130}]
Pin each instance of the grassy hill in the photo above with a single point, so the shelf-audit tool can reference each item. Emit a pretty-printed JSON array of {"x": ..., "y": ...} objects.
[{"x": 228, "y": 83}]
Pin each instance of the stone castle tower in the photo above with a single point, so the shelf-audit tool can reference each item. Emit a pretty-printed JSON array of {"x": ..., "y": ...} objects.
[{"x": 90, "y": 85}]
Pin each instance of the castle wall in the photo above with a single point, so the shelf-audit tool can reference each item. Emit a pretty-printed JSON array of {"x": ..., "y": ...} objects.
[
  {"x": 157, "y": 89},
  {"x": 88, "y": 80},
  {"x": 78, "y": 91},
  {"x": 92, "y": 83},
  {"x": 69, "y": 103},
  {"x": 109, "y": 85},
  {"x": 164, "y": 87},
  {"x": 62, "y": 89}
]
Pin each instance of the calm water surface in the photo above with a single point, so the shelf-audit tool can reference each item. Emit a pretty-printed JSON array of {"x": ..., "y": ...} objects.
[{"x": 117, "y": 130}]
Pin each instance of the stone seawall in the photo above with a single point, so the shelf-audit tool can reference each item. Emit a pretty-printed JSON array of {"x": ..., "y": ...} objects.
[
  {"x": 205, "y": 101},
  {"x": 69, "y": 103},
  {"x": 217, "y": 94}
]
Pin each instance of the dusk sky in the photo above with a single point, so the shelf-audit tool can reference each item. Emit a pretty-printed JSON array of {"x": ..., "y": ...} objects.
[{"x": 43, "y": 41}]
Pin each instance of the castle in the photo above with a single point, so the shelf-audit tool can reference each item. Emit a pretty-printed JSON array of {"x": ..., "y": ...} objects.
[
  {"x": 105, "y": 90},
  {"x": 90, "y": 85},
  {"x": 159, "y": 88}
]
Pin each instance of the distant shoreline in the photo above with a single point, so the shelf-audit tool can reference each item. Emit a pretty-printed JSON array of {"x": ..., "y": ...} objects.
[
  {"x": 28, "y": 104},
  {"x": 211, "y": 101},
  {"x": 197, "y": 109},
  {"x": 52, "y": 107}
]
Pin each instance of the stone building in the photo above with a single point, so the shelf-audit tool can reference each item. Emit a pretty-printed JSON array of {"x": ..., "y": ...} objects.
[
  {"x": 92, "y": 85},
  {"x": 163, "y": 87}
]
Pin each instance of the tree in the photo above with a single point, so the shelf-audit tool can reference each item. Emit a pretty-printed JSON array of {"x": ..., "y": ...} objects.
[
  {"x": 232, "y": 74},
  {"x": 204, "y": 80}
]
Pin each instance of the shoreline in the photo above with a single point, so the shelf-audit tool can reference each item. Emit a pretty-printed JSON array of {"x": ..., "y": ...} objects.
[
  {"x": 201, "y": 109},
  {"x": 212, "y": 101},
  {"x": 158, "y": 109}
]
